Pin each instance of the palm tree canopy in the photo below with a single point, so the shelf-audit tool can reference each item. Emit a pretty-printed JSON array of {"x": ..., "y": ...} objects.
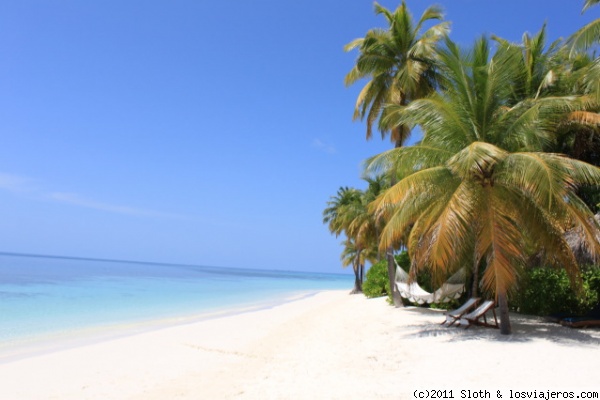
[
  {"x": 479, "y": 182},
  {"x": 542, "y": 65},
  {"x": 585, "y": 37},
  {"x": 398, "y": 61},
  {"x": 336, "y": 215}
]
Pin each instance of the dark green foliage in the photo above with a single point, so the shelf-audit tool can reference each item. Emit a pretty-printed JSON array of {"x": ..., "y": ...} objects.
[
  {"x": 403, "y": 260},
  {"x": 590, "y": 196},
  {"x": 546, "y": 291},
  {"x": 377, "y": 283}
]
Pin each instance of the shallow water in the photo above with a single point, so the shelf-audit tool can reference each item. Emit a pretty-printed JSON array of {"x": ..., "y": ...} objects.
[{"x": 42, "y": 297}]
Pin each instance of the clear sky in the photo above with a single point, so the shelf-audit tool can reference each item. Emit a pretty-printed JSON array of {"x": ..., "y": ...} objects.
[{"x": 193, "y": 131}]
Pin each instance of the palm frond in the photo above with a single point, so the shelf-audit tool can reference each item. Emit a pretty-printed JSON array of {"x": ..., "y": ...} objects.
[
  {"x": 449, "y": 229},
  {"x": 584, "y": 118},
  {"x": 432, "y": 12},
  {"x": 585, "y": 225},
  {"x": 588, "y": 4},
  {"x": 585, "y": 37},
  {"x": 403, "y": 161},
  {"x": 501, "y": 242},
  {"x": 423, "y": 180},
  {"x": 544, "y": 179},
  {"x": 356, "y": 43}
]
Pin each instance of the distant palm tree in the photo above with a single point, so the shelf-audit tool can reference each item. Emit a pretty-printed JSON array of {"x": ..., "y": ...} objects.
[
  {"x": 343, "y": 215},
  {"x": 336, "y": 215},
  {"x": 347, "y": 213},
  {"x": 479, "y": 188},
  {"x": 400, "y": 65},
  {"x": 357, "y": 257}
]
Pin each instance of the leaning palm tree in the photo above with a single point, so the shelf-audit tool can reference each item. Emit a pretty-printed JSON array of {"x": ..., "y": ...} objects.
[
  {"x": 400, "y": 65},
  {"x": 478, "y": 187}
]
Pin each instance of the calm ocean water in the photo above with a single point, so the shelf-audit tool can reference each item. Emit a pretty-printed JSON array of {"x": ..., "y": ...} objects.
[{"x": 42, "y": 297}]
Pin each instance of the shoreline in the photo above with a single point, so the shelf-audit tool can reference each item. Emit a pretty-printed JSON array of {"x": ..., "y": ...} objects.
[
  {"x": 328, "y": 346},
  {"x": 51, "y": 342}
]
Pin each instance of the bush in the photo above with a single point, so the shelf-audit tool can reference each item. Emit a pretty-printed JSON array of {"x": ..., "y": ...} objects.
[
  {"x": 546, "y": 291},
  {"x": 376, "y": 282}
]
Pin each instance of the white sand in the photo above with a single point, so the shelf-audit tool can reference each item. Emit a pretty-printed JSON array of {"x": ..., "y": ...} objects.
[{"x": 329, "y": 346}]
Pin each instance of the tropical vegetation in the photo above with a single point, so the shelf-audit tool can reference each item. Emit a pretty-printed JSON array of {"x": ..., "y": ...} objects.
[
  {"x": 399, "y": 63},
  {"x": 506, "y": 168}
]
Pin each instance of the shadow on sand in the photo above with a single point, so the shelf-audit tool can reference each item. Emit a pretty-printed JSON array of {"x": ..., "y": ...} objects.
[{"x": 525, "y": 328}]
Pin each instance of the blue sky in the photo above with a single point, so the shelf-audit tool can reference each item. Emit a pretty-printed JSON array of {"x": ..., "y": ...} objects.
[{"x": 199, "y": 132}]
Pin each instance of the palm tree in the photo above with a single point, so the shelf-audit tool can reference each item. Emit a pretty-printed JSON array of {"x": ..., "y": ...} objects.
[
  {"x": 347, "y": 213},
  {"x": 399, "y": 63},
  {"x": 335, "y": 215},
  {"x": 338, "y": 218},
  {"x": 357, "y": 257},
  {"x": 479, "y": 188},
  {"x": 541, "y": 66}
]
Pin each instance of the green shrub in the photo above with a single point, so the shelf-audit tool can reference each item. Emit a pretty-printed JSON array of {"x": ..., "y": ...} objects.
[
  {"x": 547, "y": 291},
  {"x": 376, "y": 282}
]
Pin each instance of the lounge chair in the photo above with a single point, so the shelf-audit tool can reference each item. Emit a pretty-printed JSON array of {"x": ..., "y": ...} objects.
[
  {"x": 580, "y": 322},
  {"x": 475, "y": 317},
  {"x": 592, "y": 318},
  {"x": 454, "y": 315}
]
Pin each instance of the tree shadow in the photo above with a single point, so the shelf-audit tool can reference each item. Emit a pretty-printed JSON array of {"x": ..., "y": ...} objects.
[{"x": 525, "y": 328}]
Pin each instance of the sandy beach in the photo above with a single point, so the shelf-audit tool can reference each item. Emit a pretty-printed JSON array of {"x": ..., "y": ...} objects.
[{"x": 328, "y": 346}]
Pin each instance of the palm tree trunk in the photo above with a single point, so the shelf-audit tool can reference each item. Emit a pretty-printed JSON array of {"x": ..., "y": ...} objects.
[
  {"x": 505, "y": 327},
  {"x": 357, "y": 283},
  {"x": 475, "y": 284},
  {"x": 396, "y": 298},
  {"x": 362, "y": 275}
]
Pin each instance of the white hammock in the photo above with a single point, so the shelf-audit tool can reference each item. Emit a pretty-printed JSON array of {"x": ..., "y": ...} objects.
[{"x": 451, "y": 289}]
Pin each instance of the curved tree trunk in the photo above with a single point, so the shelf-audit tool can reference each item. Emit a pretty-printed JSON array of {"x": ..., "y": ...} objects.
[
  {"x": 505, "y": 327},
  {"x": 357, "y": 276}
]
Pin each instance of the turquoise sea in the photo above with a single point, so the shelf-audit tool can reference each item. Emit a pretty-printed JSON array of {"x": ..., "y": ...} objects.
[{"x": 54, "y": 300}]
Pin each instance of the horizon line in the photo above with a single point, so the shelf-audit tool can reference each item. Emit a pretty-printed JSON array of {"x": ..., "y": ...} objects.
[{"x": 113, "y": 260}]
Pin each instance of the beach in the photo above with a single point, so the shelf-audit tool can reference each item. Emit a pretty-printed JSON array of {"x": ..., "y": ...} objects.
[{"x": 328, "y": 346}]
